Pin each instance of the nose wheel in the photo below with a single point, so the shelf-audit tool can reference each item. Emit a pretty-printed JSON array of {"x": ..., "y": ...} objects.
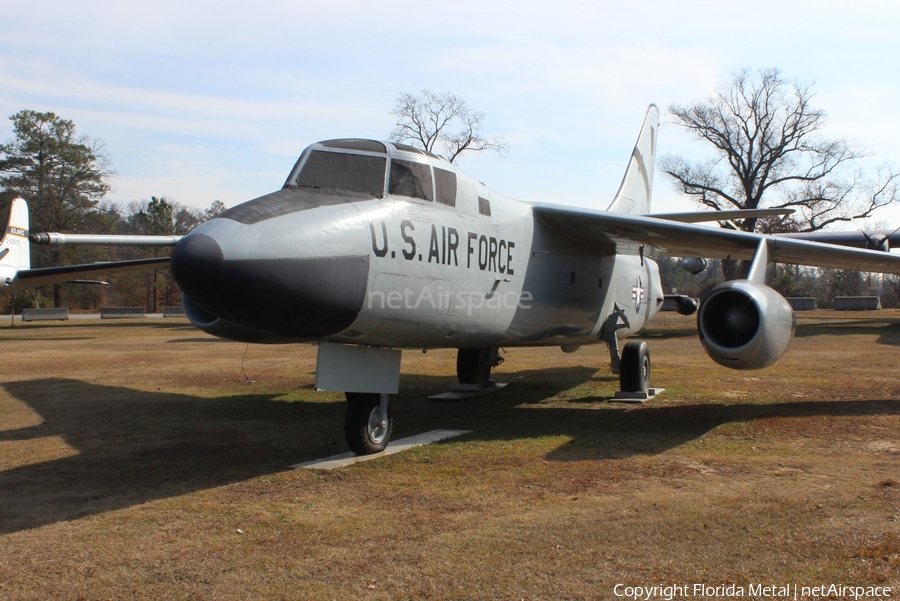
[{"x": 368, "y": 422}]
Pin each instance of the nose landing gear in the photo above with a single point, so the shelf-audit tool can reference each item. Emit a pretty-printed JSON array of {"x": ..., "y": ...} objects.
[{"x": 368, "y": 423}]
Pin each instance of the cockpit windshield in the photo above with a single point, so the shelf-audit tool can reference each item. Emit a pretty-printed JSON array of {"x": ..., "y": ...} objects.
[
  {"x": 337, "y": 171},
  {"x": 411, "y": 179}
]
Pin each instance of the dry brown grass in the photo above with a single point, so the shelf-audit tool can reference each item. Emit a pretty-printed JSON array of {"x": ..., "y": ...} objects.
[{"x": 136, "y": 461}]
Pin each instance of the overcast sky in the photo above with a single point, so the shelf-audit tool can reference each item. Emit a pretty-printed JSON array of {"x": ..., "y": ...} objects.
[{"x": 201, "y": 100}]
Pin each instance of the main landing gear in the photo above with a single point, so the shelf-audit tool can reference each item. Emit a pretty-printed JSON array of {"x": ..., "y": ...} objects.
[
  {"x": 634, "y": 368},
  {"x": 634, "y": 374},
  {"x": 474, "y": 365}
]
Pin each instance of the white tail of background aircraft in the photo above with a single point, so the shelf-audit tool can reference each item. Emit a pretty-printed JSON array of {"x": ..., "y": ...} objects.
[{"x": 15, "y": 254}]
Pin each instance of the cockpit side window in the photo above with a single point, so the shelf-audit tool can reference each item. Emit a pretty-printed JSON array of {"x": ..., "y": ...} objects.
[
  {"x": 484, "y": 207},
  {"x": 411, "y": 179},
  {"x": 339, "y": 171},
  {"x": 446, "y": 186}
]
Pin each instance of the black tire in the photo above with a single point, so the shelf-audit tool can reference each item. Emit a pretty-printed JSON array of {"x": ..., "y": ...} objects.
[
  {"x": 473, "y": 366},
  {"x": 362, "y": 425},
  {"x": 634, "y": 372}
]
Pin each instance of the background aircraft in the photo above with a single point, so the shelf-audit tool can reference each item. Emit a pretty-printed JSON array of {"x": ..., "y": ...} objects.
[
  {"x": 15, "y": 254},
  {"x": 372, "y": 247}
]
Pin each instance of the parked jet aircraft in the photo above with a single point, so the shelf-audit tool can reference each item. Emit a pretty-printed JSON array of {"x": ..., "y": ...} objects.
[{"x": 372, "y": 247}]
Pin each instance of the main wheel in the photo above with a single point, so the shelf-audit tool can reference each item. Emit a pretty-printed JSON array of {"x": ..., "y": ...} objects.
[
  {"x": 473, "y": 366},
  {"x": 366, "y": 430},
  {"x": 634, "y": 374}
]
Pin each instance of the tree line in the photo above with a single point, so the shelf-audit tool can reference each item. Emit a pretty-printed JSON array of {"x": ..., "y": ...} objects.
[{"x": 64, "y": 176}]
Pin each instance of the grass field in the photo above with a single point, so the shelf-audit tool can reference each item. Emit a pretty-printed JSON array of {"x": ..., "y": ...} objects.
[{"x": 144, "y": 459}]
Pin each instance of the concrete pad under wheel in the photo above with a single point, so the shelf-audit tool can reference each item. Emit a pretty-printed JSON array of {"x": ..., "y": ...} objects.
[
  {"x": 462, "y": 391},
  {"x": 395, "y": 446},
  {"x": 636, "y": 397}
]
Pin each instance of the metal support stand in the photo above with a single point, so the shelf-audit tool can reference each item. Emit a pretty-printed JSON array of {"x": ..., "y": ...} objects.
[
  {"x": 385, "y": 400},
  {"x": 608, "y": 335}
]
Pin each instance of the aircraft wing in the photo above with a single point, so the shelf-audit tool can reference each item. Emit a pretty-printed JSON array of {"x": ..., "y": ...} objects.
[
  {"x": 861, "y": 239},
  {"x": 632, "y": 234},
  {"x": 44, "y": 276}
]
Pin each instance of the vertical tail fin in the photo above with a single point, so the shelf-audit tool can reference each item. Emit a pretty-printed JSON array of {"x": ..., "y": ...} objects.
[
  {"x": 15, "y": 253},
  {"x": 634, "y": 193}
]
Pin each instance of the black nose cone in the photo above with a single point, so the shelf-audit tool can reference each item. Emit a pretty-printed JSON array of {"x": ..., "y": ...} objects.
[
  {"x": 197, "y": 264},
  {"x": 299, "y": 297}
]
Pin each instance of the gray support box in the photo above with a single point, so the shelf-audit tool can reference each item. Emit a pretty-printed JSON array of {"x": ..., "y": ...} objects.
[
  {"x": 57, "y": 314},
  {"x": 349, "y": 368},
  {"x": 121, "y": 312},
  {"x": 857, "y": 303},
  {"x": 801, "y": 303}
]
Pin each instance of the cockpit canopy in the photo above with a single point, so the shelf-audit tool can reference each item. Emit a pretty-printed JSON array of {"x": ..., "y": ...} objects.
[{"x": 361, "y": 166}]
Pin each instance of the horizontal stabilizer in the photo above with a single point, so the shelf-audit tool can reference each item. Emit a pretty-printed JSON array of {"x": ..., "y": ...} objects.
[{"x": 45, "y": 276}]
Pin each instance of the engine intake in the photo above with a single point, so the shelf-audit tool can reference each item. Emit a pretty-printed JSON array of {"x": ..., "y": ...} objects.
[
  {"x": 211, "y": 324},
  {"x": 744, "y": 325}
]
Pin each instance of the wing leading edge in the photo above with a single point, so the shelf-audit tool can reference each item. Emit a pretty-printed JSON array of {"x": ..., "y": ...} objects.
[{"x": 630, "y": 234}]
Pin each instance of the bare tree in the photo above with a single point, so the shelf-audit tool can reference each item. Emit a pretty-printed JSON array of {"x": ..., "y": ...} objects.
[
  {"x": 769, "y": 154},
  {"x": 441, "y": 124}
]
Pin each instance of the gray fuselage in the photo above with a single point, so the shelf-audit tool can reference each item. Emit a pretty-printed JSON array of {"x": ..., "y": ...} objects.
[{"x": 383, "y": 245}]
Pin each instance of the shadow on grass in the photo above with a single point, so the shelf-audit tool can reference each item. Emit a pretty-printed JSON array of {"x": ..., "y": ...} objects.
[
  {"x": 55, "y": 339},
  {"x": 134, "y": 446},
  {"x": 888, "y": 333},
  {"x": 646, "y": 430},
  {"x": 152, "y": 323},
  {"x": 77, "y": 327},
  {"x": 199, "y": 339}
]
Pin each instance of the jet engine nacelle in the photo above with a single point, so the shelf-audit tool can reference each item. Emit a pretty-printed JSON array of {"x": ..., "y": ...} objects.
[
  {"x": 744, "y": 325},
  {"x": 693, "y": 265},
  {"x": 217, "y": 326}
]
